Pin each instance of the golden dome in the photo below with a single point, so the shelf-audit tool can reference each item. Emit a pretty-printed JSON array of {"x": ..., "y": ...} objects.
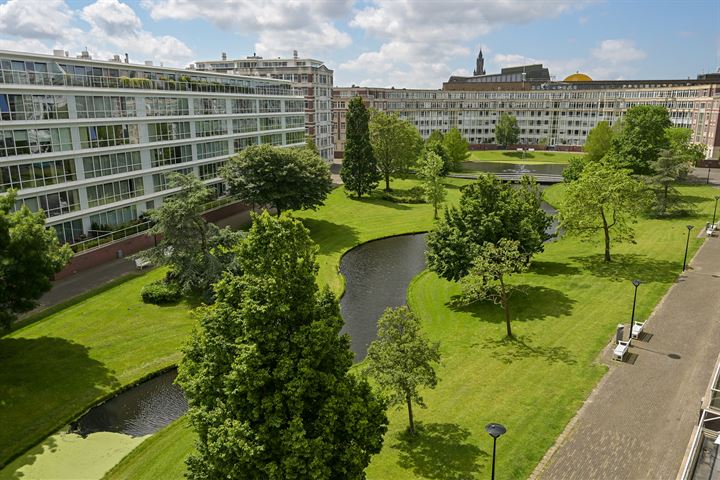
[{"x": 578, "y": 77}]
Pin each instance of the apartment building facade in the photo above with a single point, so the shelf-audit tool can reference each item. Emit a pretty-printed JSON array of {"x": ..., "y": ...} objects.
[
  {"x": 307, "y": 74},
  {"x": 92, "y": 142},
  {"x": 556, "y": 114}
]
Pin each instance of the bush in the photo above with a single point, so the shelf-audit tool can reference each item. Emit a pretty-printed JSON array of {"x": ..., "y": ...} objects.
[
  {"x": 159, "y": 293},
  {"x": 413, "y": 195}
]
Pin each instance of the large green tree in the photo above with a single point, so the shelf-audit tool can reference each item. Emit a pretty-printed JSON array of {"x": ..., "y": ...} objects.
[
  {"x": 30, "y": 255},
  {"x": 285, "y": 178},
  {"x": 488, "y": 211},
  {"x": 680, "y": 144},
  {"x": 640, "y": 139},
  {"x": 193, "y": 248},
  {"x": 603, "y": 200},
  {"x": 457, "y": 148},
  {"x": 430, "y": 170},
  {"x": 598, "y": 142},
  {"x": 401, "y": 359},
  {"x": 506, "y": 130},
  {"x": 396, "y": 144},
  {"x": 435, "y": 144},
  {"x": 667, "y": 170},
  {"x": 359, "y": 170},
  {"x": 266, "y": 372}
]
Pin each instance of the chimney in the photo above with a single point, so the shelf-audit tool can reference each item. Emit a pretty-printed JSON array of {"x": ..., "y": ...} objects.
[
  {"x": 127, "y": 59},
  {"x": 223, "y": 56}
]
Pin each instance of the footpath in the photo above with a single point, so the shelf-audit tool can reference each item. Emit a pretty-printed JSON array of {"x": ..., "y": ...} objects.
[{"x": 637, "y": 422}]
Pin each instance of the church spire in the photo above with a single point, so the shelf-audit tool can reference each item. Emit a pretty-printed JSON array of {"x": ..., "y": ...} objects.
[{"x": 479, "y": 64}]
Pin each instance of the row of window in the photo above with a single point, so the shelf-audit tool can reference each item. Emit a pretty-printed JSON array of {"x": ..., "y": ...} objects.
[
  {"x": 105, "y": 107},
  {"x": 34, "y": 140},
  {"x": 111, "y": 164},
  {"x": 33, "y": 107},
  {"x": 37, "y": 174},
  {"x": 114, "y": 191},
  {"x": 161, "y": 180},
  {"x": 164, "y": 131},
  {"x": 100, "y": 136},
  {"x": 53, "y": 204}
]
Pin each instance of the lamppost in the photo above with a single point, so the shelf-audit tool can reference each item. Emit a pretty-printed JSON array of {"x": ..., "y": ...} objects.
[
  {"x": 687, "y": 243},
  {"x": 637, "y": 283},
  {"x": 495, "y": 430},
  {"x": 717, "y": 197}
]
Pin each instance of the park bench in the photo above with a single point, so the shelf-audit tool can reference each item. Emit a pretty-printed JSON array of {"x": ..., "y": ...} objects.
[
  {"x": 637, "y": 329},
  {"x": 620, "y": 350},
  {"x": 709, "y": 229},
  {"x": 142, "y": 262}
]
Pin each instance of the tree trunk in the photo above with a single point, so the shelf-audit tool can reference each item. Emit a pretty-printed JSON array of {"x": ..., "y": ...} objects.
[
  {"x": 606, "y": 231},
  {"x": 664, "y": 202},
  {"x": 387, "y": 182},
  {"x": 411, "y": 428},
  {"x": 435, "y": 210},
  {"x": 506, "y": 307}
]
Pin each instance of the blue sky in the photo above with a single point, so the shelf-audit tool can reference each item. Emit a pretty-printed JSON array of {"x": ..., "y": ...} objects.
[{"x": 398, "y": 43}]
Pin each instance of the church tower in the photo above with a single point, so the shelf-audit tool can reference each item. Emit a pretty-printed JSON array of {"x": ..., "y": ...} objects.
[{"x": 479, "y": 65}]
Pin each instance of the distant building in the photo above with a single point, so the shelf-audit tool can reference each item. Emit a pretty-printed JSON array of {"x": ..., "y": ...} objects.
[
  {"x": 312, "y": 76},
  {"x": 479, "y": 65}
]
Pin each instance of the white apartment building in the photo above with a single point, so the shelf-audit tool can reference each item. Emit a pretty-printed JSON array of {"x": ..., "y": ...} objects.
[
  {"x": 92, "y": 142},
  {"x": 311, "y": 76}
]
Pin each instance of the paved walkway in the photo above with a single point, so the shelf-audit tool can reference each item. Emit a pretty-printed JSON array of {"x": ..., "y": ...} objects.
[{"x": 637, "y": 423}]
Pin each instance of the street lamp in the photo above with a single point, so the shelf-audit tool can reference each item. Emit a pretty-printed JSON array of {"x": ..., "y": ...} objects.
[
  {"x": 637, "y": 283},
  {"x": 717, "y": 197},
  {"x": 495, "y": 430},
  {"x": 687, "y": 243}
]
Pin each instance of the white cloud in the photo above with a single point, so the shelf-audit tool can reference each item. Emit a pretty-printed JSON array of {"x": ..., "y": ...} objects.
[
  {"x": 618, "y": 51},
  {"x": 35, "y": 19},
  {"x": 111, "y": 17}
]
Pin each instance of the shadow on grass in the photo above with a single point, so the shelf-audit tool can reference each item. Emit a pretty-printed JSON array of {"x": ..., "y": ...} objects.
[
  {"x": 507, "y": 350},
  {"x": 44, "y": 382},
  {"x": 628, "y": 266},
  {"x": 519, "y": 155},
  {"x": 439, "y": 451},
  {"x": 382, "y": 203},
  {"x": 331, "y": 237},
  {"x": 553, "y": 269},
  {"x": 29, "y": 458},
  {"x": 528, "y": 302}
]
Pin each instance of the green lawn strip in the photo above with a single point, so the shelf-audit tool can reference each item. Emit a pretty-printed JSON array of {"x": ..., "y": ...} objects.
[
  {"x": 54, "y": 369},
  {"x": 534, "y": 385},
  {"x": 511, "y": 156}
]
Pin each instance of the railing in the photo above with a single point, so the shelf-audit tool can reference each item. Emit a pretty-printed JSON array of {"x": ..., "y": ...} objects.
[
  {"x": 184, "y": 85},
  {"x": 100, "y": 240}
]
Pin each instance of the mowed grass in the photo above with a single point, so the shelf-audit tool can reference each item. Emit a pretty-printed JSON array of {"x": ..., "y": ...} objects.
[
  {"x": 513, "y": 156},
  {"x": 534, "y": 384},
  {"x": 54, "y": 369}
]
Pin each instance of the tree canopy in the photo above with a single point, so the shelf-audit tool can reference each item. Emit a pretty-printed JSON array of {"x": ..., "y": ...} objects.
[
  {"x": 285, "y": 178},
  {"x": 667, "y": 170},
  {"x": 430, "y": 168},
  {"x": 266, "y": 373},
  {"x": 456, "y": 148},
  {"x": 401, "y": 359},
  {"x": 396, "y": 144},
  {"x": 488, "y": 211},
  {"x": 640, "y": 138},
  {"x": 598, "y": 142},
  {"x": 680, "y": 144},
  {"x": 30, "y": 254},
  {"x": 506, "y": 130},
  {"x": 359, "y": 170}
]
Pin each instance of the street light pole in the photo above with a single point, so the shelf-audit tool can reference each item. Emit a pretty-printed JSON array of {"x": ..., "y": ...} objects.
[
  {"x": 495, "y": 430},
  {"x": 717, "y": 197},
  {"x": 687, "y": 243},
  {"x": 637, "y": 283}
]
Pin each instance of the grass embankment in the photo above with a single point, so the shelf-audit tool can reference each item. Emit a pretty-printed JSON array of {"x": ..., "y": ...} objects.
[
  {"x": 511, "y": 156},
  {"x": 60, "y": 365},
  {"x": 533, "y": 384}
]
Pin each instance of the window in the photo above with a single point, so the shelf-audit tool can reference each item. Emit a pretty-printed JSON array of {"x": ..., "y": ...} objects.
[
  {"x": 274, "y": 139},
  {"x": 210, "y": 128},
  {"x": 38, "y": 174},
  {"x": 210, "y": 170},
  {"x": 243, "y": 105},
  {"x": 296, "y": 121},
  {"x": 34, "y": 140},
  {"x": 111, "y": 164},
  {"x": 270, "y": 106},
  {"x": 105, "y": 107},
  {"x": 159, "y": 132},
  {"x": 270, "y": 123},
  {"x": 99, "y": 136},
  {"x": 241, "y": 143},
  {"x": 33, "y": 107},
  {"x": 294, "y": 105},
  {"x": 209, "y": 106},
  {"x": 53, "y": 203},
  {"x": 166, "y": 106},
  {"x": 114, "y": 191},
  {"x": 244, "y": 125},
  {"x": 110, "y": 220},
  {"x": 212, "y": 149},
  {"x": 161, "y": 180},
  {"x": 170, "y": 155},
  {"x": 294, "y": 137},
  {"x": 69, "y": 232}
]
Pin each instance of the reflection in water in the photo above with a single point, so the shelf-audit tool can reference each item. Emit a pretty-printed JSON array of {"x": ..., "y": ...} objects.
[{"x": 140, "y": 410}]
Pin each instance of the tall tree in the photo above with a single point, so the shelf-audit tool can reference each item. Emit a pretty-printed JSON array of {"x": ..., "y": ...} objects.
[
  {"x": 359, "y": 170},
  {"x": 401, "y": 359},
  {"x": 267, "y": 375},
  {"x": 395, "y": 144},
  {"x": 430, "y": 169},
  {"x": 487, "y": 277},
  {"x": 193, "y": 248},
  {"x": 457, "y": 148},
  {"x": 286, "y": 178},
  {"x": 310, "y": 143},
  {"x": 667, "y": 170},
  {"x": 603, "y": 200},
  {"x": 30, "y": 255},
  {"x": 680, "y": 144},
  {"x": 488, "y": 211},
  {"x": 598, "y": 142},
  {"x": 435, "y": 144},
  {"x": 640, "y": 139},
  {"x": 506, "y": 130}
]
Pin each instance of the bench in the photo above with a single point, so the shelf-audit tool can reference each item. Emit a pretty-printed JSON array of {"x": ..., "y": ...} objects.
[
  {"x": 620, "y": 350},
  {"x": 142, "y": 262},
  {"x": 637, "y": 329}
]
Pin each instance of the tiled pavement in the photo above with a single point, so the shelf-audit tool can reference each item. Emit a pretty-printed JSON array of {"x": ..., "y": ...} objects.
[{"x": 637, "y": 423}]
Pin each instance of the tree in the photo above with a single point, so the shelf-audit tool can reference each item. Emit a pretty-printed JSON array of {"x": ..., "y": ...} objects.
[
  {"x": 598, "y": 142},
  {"x": 193, "y": 248},
  {"x": 668, "y": 169},
  {"x": 574, "y": 168},
  {"x": 489, "y": 271},
  {"x": 457, "y": 148},
  {"x": 400, "y": 359},
  {"x": 434, "y": 144},
  {"x": 679, "y": 140},
  {"x": 640, "y": 139},
  {"x": 359, "y": 170},
  {"x": 310, "y": 143},
  {"x": 436, "y": 136},
  {"x": 488, "y": 211},
  {"x": 266, "y": 372},
  {"x": 30, "y": 254},
  {"x": 286, "y": 178},
  {"x": 430, "y": 170},
  {"x": 507, "y": 130},
  {"x": 394, "y": 143},
  {"x": 604, "y": 199}
]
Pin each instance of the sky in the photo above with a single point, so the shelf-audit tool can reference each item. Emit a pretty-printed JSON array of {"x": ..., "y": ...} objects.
[{"x": 384, "y": 43}]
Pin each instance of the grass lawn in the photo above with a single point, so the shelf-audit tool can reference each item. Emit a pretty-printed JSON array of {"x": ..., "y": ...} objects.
[
  {"x": 533, "y": 384},
  {"x": 54, "y": 369},
  {"x": 512, "y": 156}
]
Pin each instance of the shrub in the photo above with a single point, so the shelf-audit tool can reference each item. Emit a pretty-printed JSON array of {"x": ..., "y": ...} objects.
[
  {"x": 159, "y": 293},
  {"x": 413, "y": 195}
]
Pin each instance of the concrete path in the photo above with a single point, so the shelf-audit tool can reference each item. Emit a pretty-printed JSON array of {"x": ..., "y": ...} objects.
[{"x": 637, "y": 423}]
